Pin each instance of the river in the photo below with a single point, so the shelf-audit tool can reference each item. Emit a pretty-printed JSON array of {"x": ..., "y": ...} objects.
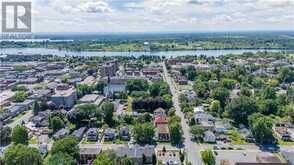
[{"x": 45, "y": 51}]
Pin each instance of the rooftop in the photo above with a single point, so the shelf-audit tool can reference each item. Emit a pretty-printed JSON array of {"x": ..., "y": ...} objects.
[
  {"x": 89, "y": 98},
  {"x": 90, "y": 149},
  {"x": 64, "y": 93}
]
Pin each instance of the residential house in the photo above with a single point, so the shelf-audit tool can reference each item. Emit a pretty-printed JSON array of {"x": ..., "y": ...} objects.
[
  {"x": 124, "y": 133},
  {"x": 139, "y": 154},
  {"x": 61, "y": 133},
  {"x": 161, "y": 129},
  {"x": 203, "y": 118},
  {"x": 182, "y": 80},
  {"x": 209, "y": 137},
  {"x": 27, "y": 104},
  {"x": 109, "y": 134},
  {"x": 283, "y": 133},
  {"x": 43, "y": 148},
  {"x": 79, "y": 133},
  {"x": 92, "y": 134},
  {"x": 89, "y": 152},
  {"x": 159, "y": 112},
  {"x": 41, "y": 120},
  {"x": 168, "y": 156},
  {"x": 222, "y": 127},
  {"x": 161, "y": 120},
  {"x": 30, "y": 80}
]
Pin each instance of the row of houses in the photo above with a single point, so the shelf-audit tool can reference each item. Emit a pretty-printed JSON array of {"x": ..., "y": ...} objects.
[
  {"x": 93, "y": 134},
  {"x": 147, "y": 154}
]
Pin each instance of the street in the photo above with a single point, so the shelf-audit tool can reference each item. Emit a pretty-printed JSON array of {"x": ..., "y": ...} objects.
[
  {"x": 192, "y": 150},
  {"x": 24, "y": 118}
]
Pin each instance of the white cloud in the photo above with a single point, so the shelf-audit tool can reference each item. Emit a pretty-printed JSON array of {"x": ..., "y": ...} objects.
[
  {"x": 95, "y": 7},
  {"x": 161, "y": 15}
]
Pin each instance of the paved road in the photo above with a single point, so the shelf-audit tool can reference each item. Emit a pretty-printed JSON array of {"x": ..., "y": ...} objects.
[
  {"x": 24, "y": 118},
  {"x": 192, "y": 150}
]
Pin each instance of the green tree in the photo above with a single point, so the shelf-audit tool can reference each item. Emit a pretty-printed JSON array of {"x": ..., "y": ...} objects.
[
  {"x": 100, "y": 86},
  {"x": 269, "y": 93},
  {"x": 19, "y": 88},
  {"x": 287, "y": 111},
  {"x": 36, "y": 108},
  {"x": 246, "y": 92},
  {"x": 268, "y": 106},
  {"x": 240, "y": 108},
  {"x": 83, "y": 89},
  {"x": 200, "y": 88},
  {"x": 261, "y": 128},
  {"x": 105, "y": 158},
  {"x": 175, "y": 130},
  {"x": 136, "y": 85},
  {"x": 155, "y": 89},
  {"x": 191, "y": 74},
  {"x": 82, "y": 114},
  {"x": 67, "y": 145},
  {"x": 215, "y": 107},
  {"x": 108, "y": 109},
  {"x": 228, "y": 83},
  {"x": 144, "y": 133},
  {"x": 20, "y": 96},
  {"x": 126, "y": 161},
  {"x": 286, "y": 75},
  {"x": 5, "y": 134},
  {"x": 56, "y": 123},
  {"x": 197, "y": 131},
  {"x": 19, "y": 135},
  {"x": 60, "y": 159},
  {"x": 208, "y": 157},
  {"x": 22, "y": 155},
  {"x": 221, "y": 94}
]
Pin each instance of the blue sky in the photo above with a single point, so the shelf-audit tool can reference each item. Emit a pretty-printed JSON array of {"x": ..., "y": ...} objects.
[{"x": 161, "y": 15}]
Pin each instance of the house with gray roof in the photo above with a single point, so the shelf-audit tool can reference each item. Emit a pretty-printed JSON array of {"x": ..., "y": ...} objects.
[
  {"x": 79, "y": 133},
  {"x": 61, "y": 133},
  {"x": 139, "y": 154}
]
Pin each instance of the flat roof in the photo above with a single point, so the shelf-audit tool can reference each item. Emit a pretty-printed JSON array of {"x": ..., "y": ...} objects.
[
  {"x": 89, "y": 98},
  {"x": 252, "y": 156},
  {"x": 65, "y": 93}
]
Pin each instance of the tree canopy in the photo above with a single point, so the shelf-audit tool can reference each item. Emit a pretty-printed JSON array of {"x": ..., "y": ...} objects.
[
  {"x": 19, "y": 135},
  {"x": 21, "y": 154},
  {"x": 67, "y": 145},
  {"x": 240, "y": 108},
  {"x": 144, "y": 133}
]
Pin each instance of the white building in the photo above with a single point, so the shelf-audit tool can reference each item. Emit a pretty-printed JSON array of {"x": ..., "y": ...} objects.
[{"x": 209, "y": 137}]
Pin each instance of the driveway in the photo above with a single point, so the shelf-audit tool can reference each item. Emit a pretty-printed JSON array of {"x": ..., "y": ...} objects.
[{"x": 25, "y": 118}]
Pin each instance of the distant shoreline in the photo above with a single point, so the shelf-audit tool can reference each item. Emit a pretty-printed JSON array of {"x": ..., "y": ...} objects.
[{"x": 173, "y": 53}]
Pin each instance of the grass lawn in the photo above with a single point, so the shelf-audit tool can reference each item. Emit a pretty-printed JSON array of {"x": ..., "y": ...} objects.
[
  {"x": 162, "y": 142},
  {"x": 185, "y": 87},
  {"x": 19, "y": 116},
  {"x": 33, "y": 140},
  {"x": 286, "y": 143},
  {"x": 236, "y": 137},
  {"x": 118, "y": 141},
  {"x": 130, "y": 100},
  {"x": 88, "y": 142},
  {"x": 108, "y": 142}
]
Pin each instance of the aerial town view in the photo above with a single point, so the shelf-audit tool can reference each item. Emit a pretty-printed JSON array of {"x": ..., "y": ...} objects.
[{"x": 101, "y": 86}]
